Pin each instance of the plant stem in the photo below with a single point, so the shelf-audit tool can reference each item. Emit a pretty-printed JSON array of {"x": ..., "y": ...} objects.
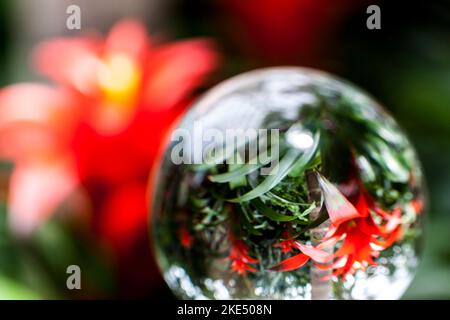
[{"x": 320, "y": 289}]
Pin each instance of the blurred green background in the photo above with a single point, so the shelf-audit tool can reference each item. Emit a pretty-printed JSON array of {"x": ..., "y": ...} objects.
[{"x": 405, "y": 65}]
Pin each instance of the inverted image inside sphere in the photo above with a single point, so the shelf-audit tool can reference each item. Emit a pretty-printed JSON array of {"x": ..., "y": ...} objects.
[{"x": 288, "y": 183}]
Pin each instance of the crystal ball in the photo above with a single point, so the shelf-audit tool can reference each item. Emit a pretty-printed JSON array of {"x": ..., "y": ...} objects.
[{"x": 287, "y": 183}]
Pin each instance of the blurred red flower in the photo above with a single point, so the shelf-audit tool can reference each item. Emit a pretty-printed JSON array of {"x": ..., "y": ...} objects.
[
  {"x": 99, "y": 128},
  {"x": 240, "y": 260},
  {"x": 288, "y": 31}
]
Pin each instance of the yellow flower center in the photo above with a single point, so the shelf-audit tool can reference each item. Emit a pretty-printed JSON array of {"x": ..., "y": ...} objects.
[{"x": 119, "y": 78}]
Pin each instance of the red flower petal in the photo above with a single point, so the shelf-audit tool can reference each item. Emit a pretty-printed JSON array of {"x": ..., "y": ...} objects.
[
  {"x": 175, "y": 70},
  {"x": 317, "y": 255},
  {"x": 239, "y": 257},
  {"x": 417, "y": 205},
  {"x": 34, "y": 119},
  {"x": 338, "y": 207},
  {"x": 362, "y": 206},
  {"x": 382, "y": 213},
  {"x": 124, "y": 216},
  {"x": 286, "y": 246},
  {"x": 185, "y": 237},
  {"x": 390, "y": 239},
  {"x": 336, "y": 273},
  {"x": 70, "y": 61},
  {"x": 118, "y": 39},
  {"x": 330, "y": 241},
  {"x": 37, "y": 189},
  {"x": 241, "y": 268},
  {"x": 338, "y": 263},
  {"x": 332, "y": 232},
  {"x": 291, "y": 263},
  {"x": 347, "y": 247},
  {"x": 368, "y": 226},
  {"x": 393, "y": 221}
]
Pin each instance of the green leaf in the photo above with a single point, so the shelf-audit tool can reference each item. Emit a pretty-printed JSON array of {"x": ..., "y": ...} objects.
[
  {"x": 242, "y": 170},
  {"x": 224, "y": 153},
  {"x": 233, "y": 174},
  {"x": 323, "y": 216},
  {"x": 365, "y": 169},
  {"x": 280, "y": 200},
  {"x": 269, "y": 212},
  {"x": 199, "y": 202},
  {"x": 291, "y": 206},
  {"x": 237, "y": 181},
  {"x": 307, "y": 211},
  {"x": 386, "y": 158},
  {"x": 246, "y": 221},
  {"x": 281, "y": 169},
  {"x": 302, "y": 163},
  {"x": 294, "y": 162}
]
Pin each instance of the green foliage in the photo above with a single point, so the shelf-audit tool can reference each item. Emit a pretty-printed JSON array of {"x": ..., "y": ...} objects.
[
  {"x": 352, "y": 139},
  {"x": 35, "y": 268}
]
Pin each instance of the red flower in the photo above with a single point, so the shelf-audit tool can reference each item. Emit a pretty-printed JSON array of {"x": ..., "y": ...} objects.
[
  {"x": 185, "y": 237},
  {"x": 353, "y": 230},
  {"x": 287, "y": 245},
  {"x": 417, "y": 205},
  {"x": 36, "y": 123},
  {"x": 292, "y": 263},
  {"x": 240, "y": 260},
  {"x": 105, "y": 121},
  {"x": 100, "y": 129},
  {"x": 362, "y": 238},
  {"x": 338, "y": 207},
  {"x": 297, "y": 261}
]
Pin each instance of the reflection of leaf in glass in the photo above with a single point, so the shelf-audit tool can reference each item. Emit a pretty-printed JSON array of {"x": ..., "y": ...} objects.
[
  {"x": 387, "y": 158},
  {"x": 365, "y": 169},
  {"x": 270, "y": 213},
  {"x": 243, "y": 170},
  {"x": 294, "y": 160},
  {"x": 281, "y": 170}
]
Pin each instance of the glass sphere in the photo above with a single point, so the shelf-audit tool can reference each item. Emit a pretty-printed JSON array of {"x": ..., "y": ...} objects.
[{"x": 288, "y": 183}]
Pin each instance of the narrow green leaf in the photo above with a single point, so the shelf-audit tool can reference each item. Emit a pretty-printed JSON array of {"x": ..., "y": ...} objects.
[
  {"x": 231, "y": 175},
  {"x": 323, "y": 216},
  {"x": 385, "y": 158},
  {"x": 246, "y": 222},
  {"x": 365, "y": 169},
  {"x": 271, "y": 195},
  {"x": 242, "y": 170},
  {"x": 224, "y": 153},
  {"x": 270, "y": 213},
  {"x": 237, "y": 181},
  {"x": 281, "y": 169},
  {"x": 307, "y": 211}
]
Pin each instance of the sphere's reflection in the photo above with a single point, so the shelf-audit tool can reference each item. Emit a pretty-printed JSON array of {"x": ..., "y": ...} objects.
[{"x": 328, "y": 204}]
